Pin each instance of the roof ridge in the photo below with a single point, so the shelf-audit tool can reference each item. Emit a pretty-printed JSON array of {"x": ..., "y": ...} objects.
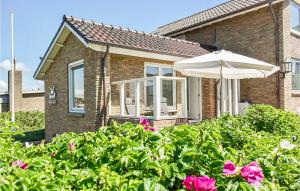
[
  {"x": 131, "y": 30},
  {"x": 194, "y": 14}
]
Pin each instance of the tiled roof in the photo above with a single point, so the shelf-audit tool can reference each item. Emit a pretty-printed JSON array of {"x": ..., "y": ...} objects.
[
  {"x": 132, "y": 39},
  {"x": 226, "y": 9}
]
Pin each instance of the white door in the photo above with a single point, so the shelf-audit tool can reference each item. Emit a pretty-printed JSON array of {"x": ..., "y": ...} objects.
[{"x": 194, "y": 98}]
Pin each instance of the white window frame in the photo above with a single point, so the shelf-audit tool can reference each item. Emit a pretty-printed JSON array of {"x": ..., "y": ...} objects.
[
  {"x": 70, "y": 87},
  {"x": 294, "y": 61},
  {"x": 160, "y": 68},
  {"x": 295, "y": 4}
]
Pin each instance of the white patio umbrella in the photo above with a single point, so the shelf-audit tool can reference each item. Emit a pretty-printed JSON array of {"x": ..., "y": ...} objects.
[
  {"x": 233, "y": 66},
  {"x": 225, "y": 65}
]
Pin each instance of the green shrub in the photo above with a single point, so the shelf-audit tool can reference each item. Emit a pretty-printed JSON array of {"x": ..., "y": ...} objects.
[
  {"x": 269, "y": 119},
  {"x": 27, "y": 121},
  {"x": 32, "y": 125},
  {"x": 126, "y": 157}
]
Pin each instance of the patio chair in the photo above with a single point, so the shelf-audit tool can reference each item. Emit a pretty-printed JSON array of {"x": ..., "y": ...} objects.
[
  {"x": 164, "y": 106},
  {"x": 129, "y": 106}
]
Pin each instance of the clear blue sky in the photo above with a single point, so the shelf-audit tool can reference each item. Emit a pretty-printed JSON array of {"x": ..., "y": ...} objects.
[{"x": 36, "y": 22}]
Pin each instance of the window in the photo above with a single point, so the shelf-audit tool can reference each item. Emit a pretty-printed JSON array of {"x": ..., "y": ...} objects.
[
  {"x": 76, "y": 87},
  {"x": 296, "y": 74},
  {"x": 295, "y": 17},
  {"x": 168, "y": 91}
]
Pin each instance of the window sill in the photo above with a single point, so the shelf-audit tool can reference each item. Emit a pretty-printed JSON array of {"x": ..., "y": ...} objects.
[
  {"x": 295, "y": 93},
  {"x": 295, "y": 33},
  {"x": 74, "y": 114}
]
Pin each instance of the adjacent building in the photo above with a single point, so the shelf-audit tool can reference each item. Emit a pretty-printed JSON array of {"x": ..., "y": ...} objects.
[{"x": 24, "y": 100}]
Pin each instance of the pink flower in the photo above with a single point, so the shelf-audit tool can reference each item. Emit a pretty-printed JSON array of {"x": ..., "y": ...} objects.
[
  {"x": 204, "y": 183},
  {"x": 229, "y": 168},
  {"x": 71, "y": 146},
  {"x": 149, "y": 129},
  {"x": 20, "y": 164},
  {"x": 188, "y": 182},
  {"x": 53, "y": 154},
  {"x": 252, "y": 174},
  {"x": 144, "y": 122}
]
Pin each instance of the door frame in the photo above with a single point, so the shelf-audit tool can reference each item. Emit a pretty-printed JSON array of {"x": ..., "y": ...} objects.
[{"x": 199, "y": 95}]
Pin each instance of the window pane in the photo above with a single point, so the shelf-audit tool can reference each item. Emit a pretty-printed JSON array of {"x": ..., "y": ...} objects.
[
  {"x": 149, "y": 93},
  {"x": 152, "y": 71},
  {"x": 295, "y": 17},
  {"x": 167, "y": 92},
  {"x": 167, "y": 72},
  {"x": 78, "y": 87},
  {"x": 296, "y": 75}
]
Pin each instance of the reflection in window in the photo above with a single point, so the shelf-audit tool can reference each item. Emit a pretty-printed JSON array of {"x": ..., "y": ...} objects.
[
  {"x": 295, "y": 17},
  {"x": 168, "y": 86},
  {"x": 296, "y": 75},
  {"x": 76, "y": 87}
]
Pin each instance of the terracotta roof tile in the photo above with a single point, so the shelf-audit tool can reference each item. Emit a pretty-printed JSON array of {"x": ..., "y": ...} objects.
[
  {"x": 117, "y": 36},
  {"x": 222, "y": 10}
]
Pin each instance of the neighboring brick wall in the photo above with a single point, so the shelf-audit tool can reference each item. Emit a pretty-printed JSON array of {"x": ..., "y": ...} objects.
[
  {"x": 291, "y": 50},
  {"x": 253, "y": 35},
  {"x": 24, "y": 101},
  {"x": 17, "y": 90},
  {"x": 33, "y": 102},
  {"x": 58, "y": 118}
]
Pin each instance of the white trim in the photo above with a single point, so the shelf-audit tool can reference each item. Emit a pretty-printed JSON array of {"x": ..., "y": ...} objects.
[
  {"x": 136, "y": 53},
  {"x": 157, "y": 98},
  {"x": 55, "y": 43},
  {"x": 102, "y": 48},
  {"x": 122, "y": 99},
  {"x": 160, "y": 67},
  {"x": 76, "y": 34},
  {"x": 294, "y": 32},
  {"x": 70, "y": 86},
  {"x": 33, "y": 92},
  {"x": 223, "y": 18}
]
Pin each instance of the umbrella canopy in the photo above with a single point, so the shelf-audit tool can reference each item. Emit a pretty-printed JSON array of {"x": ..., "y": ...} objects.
[{"x": 234, "y": 66}]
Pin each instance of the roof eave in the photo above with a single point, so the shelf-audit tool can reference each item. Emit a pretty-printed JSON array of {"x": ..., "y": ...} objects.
[{"x": 64, "y": 25}]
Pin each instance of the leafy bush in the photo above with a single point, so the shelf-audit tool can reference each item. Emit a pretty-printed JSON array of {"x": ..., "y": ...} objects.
[
  {"x": 131, "y": 157},
  {"x": 27, "y": 121},
  {"x": 32, "y": 125},
  {"x": 269, "y": 119}
]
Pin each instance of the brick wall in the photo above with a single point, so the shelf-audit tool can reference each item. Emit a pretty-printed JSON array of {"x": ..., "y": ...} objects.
[
  {"x": 251, "y": 34},
  {"x": 119, "y": 67},
  {"x": 33, "y": 102},
  {"x": 129, "y": 67},
  {"x": 58, "y": 118},
  {"x": 17, "y": 90},
  {"x": 24, "y": 101}
]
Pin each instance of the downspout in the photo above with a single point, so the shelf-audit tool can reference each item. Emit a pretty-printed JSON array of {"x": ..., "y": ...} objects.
[
  {"x": 103, "y": 76},
  {"x": 277, "y": 50}
]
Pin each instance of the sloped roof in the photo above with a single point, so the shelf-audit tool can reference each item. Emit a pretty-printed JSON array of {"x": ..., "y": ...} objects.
[
  {"x": 225, "y": 9},
  {"x": 126, "y": 38}
]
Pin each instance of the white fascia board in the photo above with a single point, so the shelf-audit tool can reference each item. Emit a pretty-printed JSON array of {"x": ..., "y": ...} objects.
[
  {"x": 54, "y": 43},
  {"x": 225, "y": 18},
  {"x": 136, "y": 53}
]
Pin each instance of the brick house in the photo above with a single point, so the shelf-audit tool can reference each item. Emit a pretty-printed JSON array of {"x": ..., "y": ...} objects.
[
  {"x": 101, "y": 57},
  {"x": 262, "y": 29},
  {"x": 123, "y": 74}
]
